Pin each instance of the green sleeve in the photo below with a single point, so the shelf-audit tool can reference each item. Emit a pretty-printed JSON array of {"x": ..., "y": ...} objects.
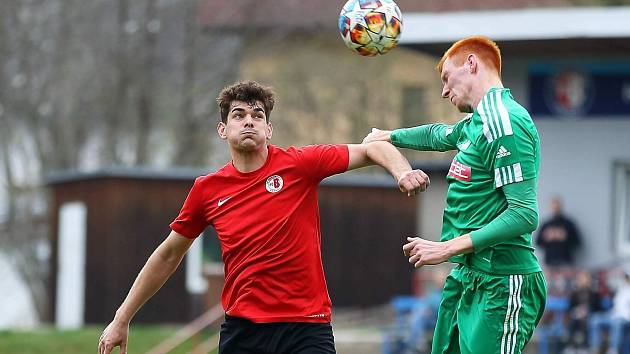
[
  {"x": 430, "y": 137},
  {"x": 520, "y": 217}
]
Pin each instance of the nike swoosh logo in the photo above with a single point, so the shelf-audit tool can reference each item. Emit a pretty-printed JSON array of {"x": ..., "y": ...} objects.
[{"x": 222, "y": 201}]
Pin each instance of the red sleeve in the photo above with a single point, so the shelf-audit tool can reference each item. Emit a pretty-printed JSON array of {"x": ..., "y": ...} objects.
[
  {"x": 321, "y": 161},
  {"x": 191, "y": 221}
]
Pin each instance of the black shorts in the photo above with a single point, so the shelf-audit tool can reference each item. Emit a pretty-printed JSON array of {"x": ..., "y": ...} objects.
[{"x": 241, "y": 336}]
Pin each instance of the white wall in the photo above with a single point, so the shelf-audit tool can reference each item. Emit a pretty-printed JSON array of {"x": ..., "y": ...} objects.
[
  {"x": 577, "y": 164},
  {"x": 70, "y": 303}
]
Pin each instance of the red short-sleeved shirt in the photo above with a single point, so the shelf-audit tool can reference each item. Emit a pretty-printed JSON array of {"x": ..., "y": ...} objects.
[{"x": 268, "y": 224}]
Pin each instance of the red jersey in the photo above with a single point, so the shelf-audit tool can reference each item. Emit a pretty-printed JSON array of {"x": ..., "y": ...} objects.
[{"x": 268, "y": 224}]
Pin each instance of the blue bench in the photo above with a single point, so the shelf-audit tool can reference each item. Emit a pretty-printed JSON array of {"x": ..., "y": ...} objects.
[
  {"x": 413, "y": 325},
  {"x": 549, "y": 334}
]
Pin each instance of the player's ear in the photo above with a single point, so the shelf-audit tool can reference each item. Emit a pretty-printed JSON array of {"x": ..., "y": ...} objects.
[
  {"x": 269, "y": 131},
  {"x": 221, "y": 130},
  {"x": 471, "y": 63}
]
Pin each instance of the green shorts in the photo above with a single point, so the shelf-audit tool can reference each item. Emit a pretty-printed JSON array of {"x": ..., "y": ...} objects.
[{"x": 485, "y": 314}]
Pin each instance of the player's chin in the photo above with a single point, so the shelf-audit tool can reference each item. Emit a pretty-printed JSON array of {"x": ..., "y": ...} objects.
[
  {"x": 248, "y": 144},
  {"x": 464, "y": 108}
]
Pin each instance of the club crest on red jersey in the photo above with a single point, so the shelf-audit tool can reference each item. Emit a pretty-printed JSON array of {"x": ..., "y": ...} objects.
[
  {"x": 459, "y": 171},
  {"x": 274, "y": 184}
]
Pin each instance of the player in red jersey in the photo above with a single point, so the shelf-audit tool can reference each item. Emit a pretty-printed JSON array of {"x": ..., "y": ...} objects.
[{"x": 263, "y": 206}]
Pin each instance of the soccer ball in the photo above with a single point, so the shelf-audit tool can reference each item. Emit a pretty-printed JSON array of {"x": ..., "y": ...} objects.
[{"x": 370, "y": 27}]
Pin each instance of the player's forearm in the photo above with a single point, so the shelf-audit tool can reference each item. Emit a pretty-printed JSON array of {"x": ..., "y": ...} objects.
[
  {"x": 386, "y": 155},
  {"x": 160, "y": 266},
  {"x": 459, "y": 245},
  {"x": 429, "y": 137},
  {"x": 520, "y": 217}
]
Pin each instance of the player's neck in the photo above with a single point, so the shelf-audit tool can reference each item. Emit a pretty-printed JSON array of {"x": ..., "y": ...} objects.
[
  {"x": 485, "y": 84},
  {"x": 249, "y": 161}
]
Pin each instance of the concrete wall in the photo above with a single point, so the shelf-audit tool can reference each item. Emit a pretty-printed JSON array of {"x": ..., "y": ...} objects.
[{"x": 578, "y": 165}]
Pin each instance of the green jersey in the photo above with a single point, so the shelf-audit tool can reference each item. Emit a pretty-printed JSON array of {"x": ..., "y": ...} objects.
[{"x": 497, "y": 145}]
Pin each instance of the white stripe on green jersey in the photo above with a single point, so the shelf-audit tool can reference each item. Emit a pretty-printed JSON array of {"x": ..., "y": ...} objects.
[
  {"x": 495, "y": 116},
  {"x": 508, "y": 174},
  {"x": 505, "y": 117}
]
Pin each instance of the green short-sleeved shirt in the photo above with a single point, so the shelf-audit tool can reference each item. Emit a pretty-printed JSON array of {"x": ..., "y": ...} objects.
[{"x": 497, "y": 144}]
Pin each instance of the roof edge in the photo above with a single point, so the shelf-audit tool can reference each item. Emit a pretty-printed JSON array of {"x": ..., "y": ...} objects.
[{"x": 580, "y": 22}]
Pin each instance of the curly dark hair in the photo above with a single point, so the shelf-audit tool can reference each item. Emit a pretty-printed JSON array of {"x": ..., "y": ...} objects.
[{"x": 246, "y": 91}]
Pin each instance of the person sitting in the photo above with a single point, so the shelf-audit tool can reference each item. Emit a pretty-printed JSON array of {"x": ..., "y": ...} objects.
[
  {"x": 584, "y": 301},
  {"x": 616, "y": 321}
]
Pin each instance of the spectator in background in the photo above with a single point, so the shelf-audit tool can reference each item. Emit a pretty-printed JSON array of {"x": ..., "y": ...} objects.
[
  {"x": 617, "y": 320},
  {"x": 558, "y": 237},
  {"x": 584, "y": 301}
]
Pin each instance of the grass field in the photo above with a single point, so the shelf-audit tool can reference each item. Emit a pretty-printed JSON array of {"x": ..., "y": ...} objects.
[{"x": 51, "y": 341}]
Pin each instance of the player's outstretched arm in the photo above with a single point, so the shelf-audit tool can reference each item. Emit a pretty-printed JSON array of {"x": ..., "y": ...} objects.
[
  {"x": 428, "y": 137},
  {"x": 162, "y": 263},
  {"x": 386, "y": 155}
]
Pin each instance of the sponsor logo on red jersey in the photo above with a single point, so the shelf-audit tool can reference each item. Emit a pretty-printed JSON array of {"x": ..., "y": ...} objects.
[{"x": 459, "y": 171}]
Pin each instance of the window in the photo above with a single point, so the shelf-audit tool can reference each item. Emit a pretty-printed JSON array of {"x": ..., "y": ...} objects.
[
  {"x": 414, "y": 109},
  {"x": 622, "y": 206}
]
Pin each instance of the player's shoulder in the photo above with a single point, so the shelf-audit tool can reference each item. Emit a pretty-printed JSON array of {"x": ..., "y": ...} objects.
[
  {"x": 286, "y": 156},
  {"x": 460, "y": 123},
  {"x": 504, "y": 100},
  {"x": 496, "y": 101},
  {"x": 277, "y": 150},
  {"x": 314, "y": 148},
  {"x": 500, "y": 115},
  {"x": 207, "y": 179},
  {"x": 283, "y": 155}
]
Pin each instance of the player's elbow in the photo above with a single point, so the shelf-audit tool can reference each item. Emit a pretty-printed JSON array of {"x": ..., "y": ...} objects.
[
  {"x": 375, "y": 146},
  {"x": 530, "y": 219},
  {"x": 373, "y": 150},
  {"x": 525, "y": 217},
  {"x": 168, "y": 256},
  {"x": 358, "y": 156}
]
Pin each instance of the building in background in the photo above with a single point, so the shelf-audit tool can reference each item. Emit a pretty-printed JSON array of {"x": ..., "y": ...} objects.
[{"x": 326, "y": 93}]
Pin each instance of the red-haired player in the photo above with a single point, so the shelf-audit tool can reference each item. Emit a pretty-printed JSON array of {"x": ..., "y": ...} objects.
[{"x": 495, "y": 296}]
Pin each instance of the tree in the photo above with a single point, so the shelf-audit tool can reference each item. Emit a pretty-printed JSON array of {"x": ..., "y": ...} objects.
[{"x": 85, "y": 84}]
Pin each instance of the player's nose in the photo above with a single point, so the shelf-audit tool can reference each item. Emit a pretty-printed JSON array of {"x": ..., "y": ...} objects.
[
  {"x": 249, "y": 120},
  {"x": 445, "y": 92}
]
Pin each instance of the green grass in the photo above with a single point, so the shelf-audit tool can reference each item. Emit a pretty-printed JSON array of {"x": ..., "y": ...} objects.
[{"x": 52, "y": 341}]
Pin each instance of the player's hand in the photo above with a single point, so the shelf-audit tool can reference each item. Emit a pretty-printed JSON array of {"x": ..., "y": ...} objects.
[
  {"x": 377, "y": 135},
  {"x": 424, "y": 252},
  {"x": 413, "y": 181},
  {"x": 114, "y": 335}
]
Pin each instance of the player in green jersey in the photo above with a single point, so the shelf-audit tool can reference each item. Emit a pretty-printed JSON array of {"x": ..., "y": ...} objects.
[{"x": 495, "y": 296}]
